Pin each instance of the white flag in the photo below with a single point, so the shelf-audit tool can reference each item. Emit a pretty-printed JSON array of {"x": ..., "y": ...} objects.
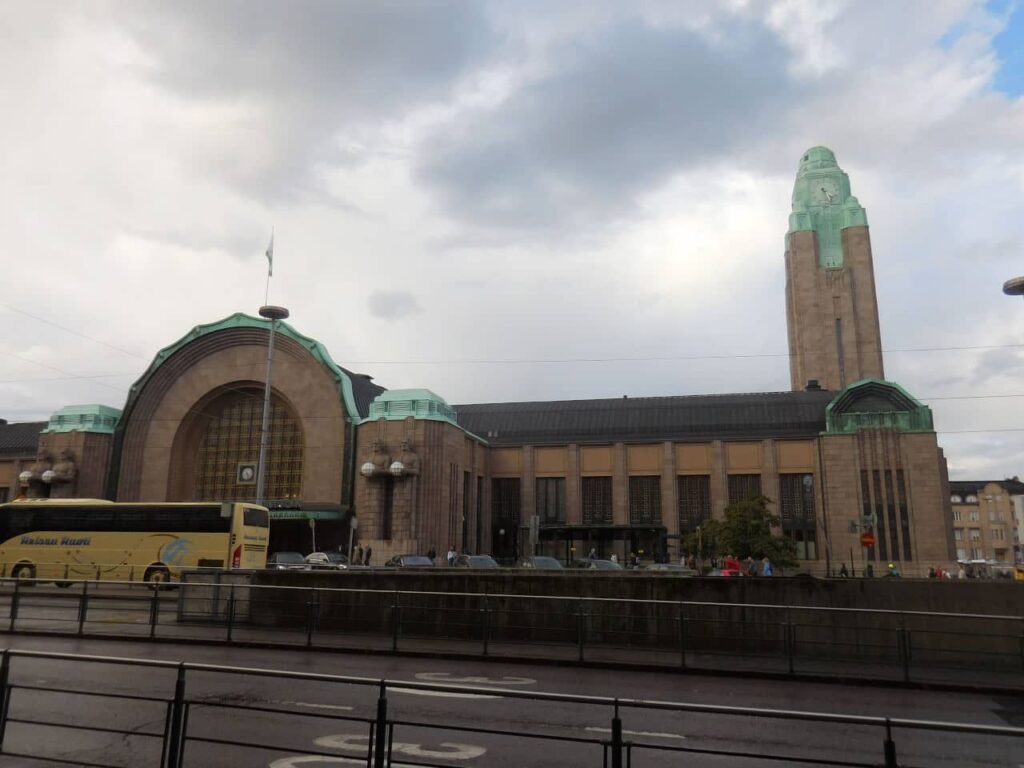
[{"x": 270, "y": 256}]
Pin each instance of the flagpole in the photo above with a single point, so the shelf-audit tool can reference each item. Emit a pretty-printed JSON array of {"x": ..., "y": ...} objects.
[{"x": 270, "y": 266}]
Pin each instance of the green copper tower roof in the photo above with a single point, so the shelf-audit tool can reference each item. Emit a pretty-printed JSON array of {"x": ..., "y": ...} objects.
[
  {"x": 418, "y": 403},
  {"x": 822, "y": 203},
  {"x": 101, "y": 419}
]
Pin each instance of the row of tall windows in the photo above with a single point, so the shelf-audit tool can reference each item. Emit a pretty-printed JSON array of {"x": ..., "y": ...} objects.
[{"x": 796, "y": 503}]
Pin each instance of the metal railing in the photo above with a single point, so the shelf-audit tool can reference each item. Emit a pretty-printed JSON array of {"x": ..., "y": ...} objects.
[
  {"x": 23, "y": 705},
  {"x": 897, "y": 646}
]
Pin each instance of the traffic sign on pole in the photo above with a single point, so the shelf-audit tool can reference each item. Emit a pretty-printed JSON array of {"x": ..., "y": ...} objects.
[{"x": 867, "y": 539}]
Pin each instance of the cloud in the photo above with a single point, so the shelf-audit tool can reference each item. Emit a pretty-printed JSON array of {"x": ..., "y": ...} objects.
[
  {"x": 392, "y": 305},
  {"x": 614, "y": 116},
  {"x": 300, "y": 76}
]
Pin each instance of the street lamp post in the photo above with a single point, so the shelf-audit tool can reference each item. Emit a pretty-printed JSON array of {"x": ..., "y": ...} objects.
[{"x": 273, "y": 314}]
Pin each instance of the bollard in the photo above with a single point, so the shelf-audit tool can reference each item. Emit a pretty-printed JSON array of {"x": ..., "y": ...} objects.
[
  {"x": 581, "y": 629},
  {"x": 396, "y": 619},
  {"x": 901, "y": 649},
  {"x": 154, "y": 612},
  {"x": 682, "y": 636},
  {"x": 483, "y": 626},
  {"x": 174, "y": 743},
  {"x": 890, "y": 747},
  {"x": 231, "y": 611},
  {"x": 311, "y": 609},
  {"x": 5, "y": 694},
  {"x": 15, "y": 598},
  {"x": 616, "y": 746},
  {"x": 83, "y": 607},
  {"x": 381, "y": 727},
  {"x": 790, "y": 640}
]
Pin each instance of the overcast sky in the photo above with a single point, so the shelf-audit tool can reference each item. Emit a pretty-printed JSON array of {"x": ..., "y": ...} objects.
[{"x": 511, "y": 181}]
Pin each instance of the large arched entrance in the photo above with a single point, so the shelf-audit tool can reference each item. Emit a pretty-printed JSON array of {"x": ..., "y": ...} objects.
[{"x": 226, "y": 447}]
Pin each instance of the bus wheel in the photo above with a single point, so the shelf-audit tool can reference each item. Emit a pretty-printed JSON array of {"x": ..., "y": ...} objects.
[
  {"x": 157, "y": 577},
  {"x": 23, "y": 572}
]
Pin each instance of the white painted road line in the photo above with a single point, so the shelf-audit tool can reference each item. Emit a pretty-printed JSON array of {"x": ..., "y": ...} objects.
[
  {"x": 316, "y": 706},
  {"x": 447, "y": 750},
  {"x": 651, "y": 734},
  {"x": 447, "y": 677},
  {"x": 441, "y": 694}
]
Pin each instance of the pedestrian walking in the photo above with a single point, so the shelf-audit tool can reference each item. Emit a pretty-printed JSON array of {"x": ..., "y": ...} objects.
[
  {"x": 452, "y": 554},
  {"x": 766, "y": 567},
  {"x": 751, "y": 567},
  {"x": 358, "y": 559},
  {"x": 593, "y": 554},
  {"x": 366, "y": 557},
  {"x": 843, "y": 573}
]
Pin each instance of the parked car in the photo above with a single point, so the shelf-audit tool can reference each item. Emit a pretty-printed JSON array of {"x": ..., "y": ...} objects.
[
  {"x": 287, "y": 561},
  {"x": 409, "y": 561},
  {"x": 327, "y": 561},
  {"x": 541, "y": 563},
  {"x": 675, "y": 568},
  {"x": 602, "y": 565},
  {"x": 476, "y": 561}
]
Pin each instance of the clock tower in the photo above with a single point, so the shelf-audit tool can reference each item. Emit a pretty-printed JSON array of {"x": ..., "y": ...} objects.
[{"x": 831, "y": 308}]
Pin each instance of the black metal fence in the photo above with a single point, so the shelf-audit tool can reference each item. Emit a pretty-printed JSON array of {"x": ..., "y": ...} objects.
[
  {"x": 897, "y": 646},
  {"x": 194, "y": 729}
]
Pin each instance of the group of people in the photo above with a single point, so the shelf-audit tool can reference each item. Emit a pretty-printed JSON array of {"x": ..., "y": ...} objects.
[
  {"x": 450, "y": 558},
  {"x": 361, "y": 556}
]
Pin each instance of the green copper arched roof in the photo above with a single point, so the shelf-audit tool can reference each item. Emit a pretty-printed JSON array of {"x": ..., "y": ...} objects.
[
  {"x": 242, "y": 320},
  {"x": 877, "y": 404}
]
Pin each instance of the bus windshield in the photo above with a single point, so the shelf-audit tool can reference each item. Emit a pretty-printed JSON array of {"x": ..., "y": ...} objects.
[{"x": 93, "y": 539}]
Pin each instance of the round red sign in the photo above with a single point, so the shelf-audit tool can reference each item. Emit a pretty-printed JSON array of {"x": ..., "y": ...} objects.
[{"x": 867, "y": 539}]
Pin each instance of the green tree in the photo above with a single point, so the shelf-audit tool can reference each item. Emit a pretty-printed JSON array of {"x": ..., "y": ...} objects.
[{"x": 745, "y": 531}]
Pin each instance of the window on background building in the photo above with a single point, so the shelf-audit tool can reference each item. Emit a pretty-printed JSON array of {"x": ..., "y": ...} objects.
[
  {"x": 961, "y": 554},
  {"x": 997, "y": 534},
  {"x": 975, "y": 535},
  {"x": 551, "y": 500},
  {"x": 971, "y": 499},
  {"x": 796, "y": 510},
  {"x": 973, "y": 516},
  {"x": 958, "y": 534},
  {"x": 956, "y": 499},
  {"x": 956, "y": 515},
  {"x": 232, "y": 437},
  {"x": 694, "y": 502},
  {"x": 645, "y": 499},
  {"x": 597, "y": 500},
  {"x": 744, "y": 487}
]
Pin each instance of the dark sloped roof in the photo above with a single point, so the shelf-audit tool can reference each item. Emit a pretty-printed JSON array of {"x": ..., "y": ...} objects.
[
  {"x": 975, "y": 486},
  {"x": 689, "y": 417},
  {"x": 20, "y": 438},
  {"x": 363, "y": 391}
]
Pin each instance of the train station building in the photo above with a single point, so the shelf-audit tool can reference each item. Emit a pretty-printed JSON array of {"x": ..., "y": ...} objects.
[{"x": 401, "y": 471}]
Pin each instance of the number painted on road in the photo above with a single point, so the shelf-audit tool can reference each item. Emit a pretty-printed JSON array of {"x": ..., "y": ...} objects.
[
  {"x": 447, "y": 677},
  {"x": 359, "y": 743}
]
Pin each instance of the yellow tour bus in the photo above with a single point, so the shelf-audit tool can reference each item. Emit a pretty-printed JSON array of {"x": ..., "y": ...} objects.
[{"x": 66, "y": 539}]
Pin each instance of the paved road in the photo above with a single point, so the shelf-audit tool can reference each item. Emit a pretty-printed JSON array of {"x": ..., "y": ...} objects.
[{"x": 317, "y": 709}]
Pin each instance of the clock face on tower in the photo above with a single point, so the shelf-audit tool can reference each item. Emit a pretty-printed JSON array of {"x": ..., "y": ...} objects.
[{"x": 827, "y": 192}]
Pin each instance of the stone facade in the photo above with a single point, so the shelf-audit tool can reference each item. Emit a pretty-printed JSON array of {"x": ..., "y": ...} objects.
[{"x": 848, "y": 455}]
